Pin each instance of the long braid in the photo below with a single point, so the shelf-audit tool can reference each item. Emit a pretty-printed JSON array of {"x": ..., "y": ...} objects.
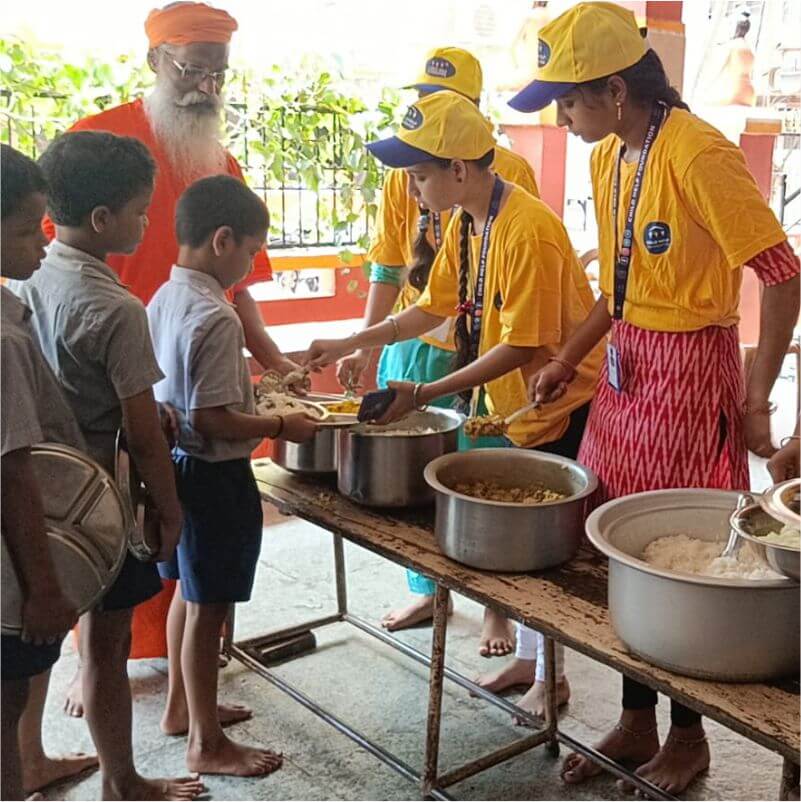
[
  {"x": 461, "y": 332},
  {"x": 422, "y": 252}
]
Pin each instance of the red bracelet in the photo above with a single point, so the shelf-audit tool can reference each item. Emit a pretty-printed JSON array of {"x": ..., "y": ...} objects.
[{"x": 564, "y": 364}]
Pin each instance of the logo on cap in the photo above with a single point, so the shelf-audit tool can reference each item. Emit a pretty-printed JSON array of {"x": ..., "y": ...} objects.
[
  {"x": 440, "y": 68},
  {"x": 543, "y": 53},
  {"x": 413, "y": 119},
  {"x": 656, "y": 237}
]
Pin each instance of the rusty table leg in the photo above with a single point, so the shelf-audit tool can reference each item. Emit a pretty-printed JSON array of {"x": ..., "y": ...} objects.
[
  {"x": 436, "y": 676},
  {"x": 551, "y": 715},
  {"x": 789, "y": 784}
]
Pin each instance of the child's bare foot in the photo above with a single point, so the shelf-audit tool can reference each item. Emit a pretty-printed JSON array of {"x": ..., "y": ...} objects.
[
  {"x": 497, "y": 635},
  {"x": 533, "y": 701},
  {"x": 511, "y": 675},
  {"x": 419, "y": 611},
  {"x": 73, "y": 703},
  {"x": 167, "y": 788},
  {"x": 683, "y": 756},
  {"x": 176, "y": 722},
  {"x": 225, "y": 756},
  {"x": 633, "y": 739},
  {"x": 39, "y": 773}
]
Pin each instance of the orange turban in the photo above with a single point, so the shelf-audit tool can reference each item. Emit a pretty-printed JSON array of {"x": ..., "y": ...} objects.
[{"x": 185, "y": 23}]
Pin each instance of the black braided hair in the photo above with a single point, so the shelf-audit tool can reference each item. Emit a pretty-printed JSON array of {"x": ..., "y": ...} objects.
[
  {"x": 461, "y": 332},
  {"x": 647, "y": 83},
  {"x": 422, "y": 252}
]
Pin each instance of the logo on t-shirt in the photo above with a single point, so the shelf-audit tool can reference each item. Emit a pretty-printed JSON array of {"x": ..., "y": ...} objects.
[
  {"x": 413, "y": 119},
  {"x": 498, "y": 301},
  {"x": 543, "y": 53},
  {"x": 656, "y": 237},
  {"x": 440, "y": 68}
]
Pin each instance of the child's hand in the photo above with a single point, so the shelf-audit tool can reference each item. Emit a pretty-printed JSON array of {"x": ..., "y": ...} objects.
[
  {"x": 168, "y": 417},
  {"x": 169, "y": 534},
  {"x": 47, "y": 615},
  {"x": 298, "y": 427}
]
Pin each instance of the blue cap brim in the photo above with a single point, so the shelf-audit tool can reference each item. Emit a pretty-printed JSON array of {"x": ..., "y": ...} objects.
[
  {"x": 395, "y": 153},
  {"x": 539, "y": 94}
]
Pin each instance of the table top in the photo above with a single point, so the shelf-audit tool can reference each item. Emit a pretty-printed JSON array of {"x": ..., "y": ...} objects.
[{"x": 567, "y": 603}]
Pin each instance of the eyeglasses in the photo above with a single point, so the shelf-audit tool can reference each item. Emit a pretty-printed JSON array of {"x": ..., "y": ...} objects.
[{"x": 196, "y": 75}]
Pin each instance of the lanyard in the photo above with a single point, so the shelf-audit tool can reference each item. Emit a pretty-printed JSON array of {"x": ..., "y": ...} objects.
[
  {"x": 477, "y": 307},
  {"x": 437, "y": 231},
  {"x": 623, "y": 255}
]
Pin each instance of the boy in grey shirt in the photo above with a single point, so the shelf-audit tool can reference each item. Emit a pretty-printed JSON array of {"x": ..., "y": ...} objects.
[
  {"x": 94, "y": 334},
  {"x": 220, "y": 225}
]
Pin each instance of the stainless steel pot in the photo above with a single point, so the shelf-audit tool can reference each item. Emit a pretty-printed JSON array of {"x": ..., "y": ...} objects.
[
  {"x": 504, "y": 536},
  {"x": 315, "y": 457},
  {"x": 734, "y": 630},
  {"x": 87, "y": 523},
  {"x": 381, "y": 466}
]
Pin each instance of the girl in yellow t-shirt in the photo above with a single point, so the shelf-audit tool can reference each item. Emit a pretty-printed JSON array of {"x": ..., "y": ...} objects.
[
  {"x": 406, "y": 240},
  {"x": 678, "y": 217},
  {"x": 535, "y": 294}
]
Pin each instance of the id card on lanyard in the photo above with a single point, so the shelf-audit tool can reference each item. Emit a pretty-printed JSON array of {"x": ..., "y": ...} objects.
[{"x": 623, "y": 253}]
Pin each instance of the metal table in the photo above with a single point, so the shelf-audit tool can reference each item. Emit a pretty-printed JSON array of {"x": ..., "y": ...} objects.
[{"x": 567, "y": 604}]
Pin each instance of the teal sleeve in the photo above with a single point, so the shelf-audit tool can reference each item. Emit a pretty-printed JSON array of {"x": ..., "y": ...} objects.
[{"x": 386, "y": 275}]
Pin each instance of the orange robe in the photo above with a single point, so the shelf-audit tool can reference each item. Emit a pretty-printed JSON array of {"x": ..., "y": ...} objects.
[{"x": 143, "y": 272}]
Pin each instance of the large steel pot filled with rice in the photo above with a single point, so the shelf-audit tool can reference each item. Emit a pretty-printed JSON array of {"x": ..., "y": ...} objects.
[
  {"x": 382, "y": 466},
  {"x": 714, "y": 628},
  {"x": 509, "y": 535}
]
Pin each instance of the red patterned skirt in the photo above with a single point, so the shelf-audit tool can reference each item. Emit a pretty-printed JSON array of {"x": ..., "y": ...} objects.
[{"x": 678, "y": 421}]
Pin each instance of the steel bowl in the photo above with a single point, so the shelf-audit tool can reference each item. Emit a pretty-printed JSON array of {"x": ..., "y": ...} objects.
[
  {"x": 315, "y": 457},
  {"x": 713, "y": 628},
  {"x": 382, "y": 466},
  {"x": 751, "y": 522},
  {"x": 506, "y": 536}
]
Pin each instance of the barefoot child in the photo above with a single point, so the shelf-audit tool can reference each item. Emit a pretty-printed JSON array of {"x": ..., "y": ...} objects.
[
  {"x": 408, "y": 235},
  {"x": 678, "y": 217},
  {"x": 94, "y": 334},
  {"x": 507, "y": 264},
  {"x": 34, "y": 410},
  {"x": 221, "y": 225}
]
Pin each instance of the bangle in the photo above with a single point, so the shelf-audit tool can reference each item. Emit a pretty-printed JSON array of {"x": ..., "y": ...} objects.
[
  {"x": 280, "y": 426},
  {"x": 786, "y": 440},
  {"x": 768, "y": 408},
  {"x": 395, "y": 329},
  {"x": 564, "y": 364},
  {"x": 417, "y": 405}
]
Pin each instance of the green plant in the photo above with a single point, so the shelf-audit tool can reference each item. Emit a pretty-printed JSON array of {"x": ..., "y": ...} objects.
[{"x": 299, "y": 134}]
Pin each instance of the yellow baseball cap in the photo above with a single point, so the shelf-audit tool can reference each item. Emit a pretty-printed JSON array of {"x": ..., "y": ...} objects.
[
  {"x": 589, "y": 41},
  {"x": 444, "y": 125},
  {"x": 450, "y": 68}
]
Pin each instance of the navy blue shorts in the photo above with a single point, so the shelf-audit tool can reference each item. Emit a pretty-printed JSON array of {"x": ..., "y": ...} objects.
[
  {"x": 216, "y": 557},
  {"x": 24, "y": 660},
  {"x": 136, "y": 583}
]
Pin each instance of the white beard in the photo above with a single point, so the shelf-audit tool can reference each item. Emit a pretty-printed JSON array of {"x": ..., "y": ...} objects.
[{"x": 189, "y": 129}]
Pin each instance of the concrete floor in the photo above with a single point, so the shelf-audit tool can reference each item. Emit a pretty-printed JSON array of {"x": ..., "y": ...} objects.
[{"x": 384, "y": 694}]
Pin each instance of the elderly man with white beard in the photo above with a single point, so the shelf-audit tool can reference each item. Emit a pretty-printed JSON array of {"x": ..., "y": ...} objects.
[{"x": 180, "y": 122}]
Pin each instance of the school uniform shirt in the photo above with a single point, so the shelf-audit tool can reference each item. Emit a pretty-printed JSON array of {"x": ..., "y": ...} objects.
[
  {"x": 536, "y": 295},
  {"x": 700, "y": 218},
  {"x": 396, "y": 228},
  {"x": 199, "y": 344},
  {"x": 148, "y": 267},
  {"x": 34, "y": 409},
  {"x": 94, "y": 335}
]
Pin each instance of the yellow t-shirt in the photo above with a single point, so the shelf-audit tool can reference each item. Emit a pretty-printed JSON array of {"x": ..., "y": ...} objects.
[
  {"x": 536, "y": 295},
  {"x": 396, "y": 227},
  {"x": 700, "y": 218}
]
